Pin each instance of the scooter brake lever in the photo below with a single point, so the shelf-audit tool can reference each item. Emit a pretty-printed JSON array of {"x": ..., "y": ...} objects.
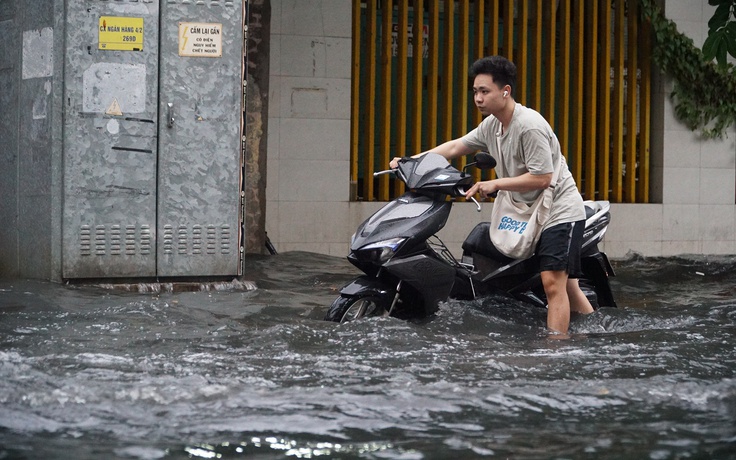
[
  {"x": 477, "y": 205},
  {"x": 381, "y": 173}
]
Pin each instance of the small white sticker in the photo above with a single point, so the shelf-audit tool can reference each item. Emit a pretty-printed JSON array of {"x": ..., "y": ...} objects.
[
  {"x": 38, "y": 53},
  {"x": 113, "y": 127},
  {"x": 442, "y": 177},
  {"x": 126, "y": 82}
]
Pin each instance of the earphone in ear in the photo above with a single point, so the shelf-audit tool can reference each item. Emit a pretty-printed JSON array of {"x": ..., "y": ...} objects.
[{"x": 505, "y": 93}]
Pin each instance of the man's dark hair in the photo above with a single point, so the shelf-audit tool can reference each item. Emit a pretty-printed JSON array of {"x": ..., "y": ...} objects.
[{"x": 499, "y": 68}]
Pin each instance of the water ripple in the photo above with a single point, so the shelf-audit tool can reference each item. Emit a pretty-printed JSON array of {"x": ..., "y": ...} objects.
[{"x": 257, "y": 374}]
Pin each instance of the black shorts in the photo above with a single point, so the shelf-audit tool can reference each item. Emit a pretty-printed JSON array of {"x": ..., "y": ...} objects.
[{"x": 559, "y": 248}]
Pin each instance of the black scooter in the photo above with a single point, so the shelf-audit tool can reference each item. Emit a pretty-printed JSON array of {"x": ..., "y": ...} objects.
[{"x": 409, "y": 270}]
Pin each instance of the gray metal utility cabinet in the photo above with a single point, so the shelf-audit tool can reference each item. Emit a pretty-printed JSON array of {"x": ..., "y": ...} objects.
[{"x": 152, "y": 151}]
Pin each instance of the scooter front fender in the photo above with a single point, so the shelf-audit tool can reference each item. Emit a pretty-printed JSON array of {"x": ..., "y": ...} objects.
[{"x": 365, "y": 286}]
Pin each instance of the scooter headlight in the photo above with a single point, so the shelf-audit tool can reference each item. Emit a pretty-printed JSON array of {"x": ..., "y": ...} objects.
[{"x": 382, "y": 251}]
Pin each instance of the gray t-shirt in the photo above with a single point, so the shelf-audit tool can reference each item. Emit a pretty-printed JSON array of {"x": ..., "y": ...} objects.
[{"x": 529, "y": 145}]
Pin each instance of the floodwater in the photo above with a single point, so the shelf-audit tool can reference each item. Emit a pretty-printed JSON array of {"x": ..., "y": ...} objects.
[{"x": 233, "y": 373}]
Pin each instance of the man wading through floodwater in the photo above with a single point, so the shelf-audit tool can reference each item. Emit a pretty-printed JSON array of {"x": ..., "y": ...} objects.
[{"x": 526, "y": 148}]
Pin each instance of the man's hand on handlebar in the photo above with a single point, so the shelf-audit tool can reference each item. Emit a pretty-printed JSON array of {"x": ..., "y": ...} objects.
[
  {"x": 485, "y": 189},
  {"x": 394, "y": 163}
]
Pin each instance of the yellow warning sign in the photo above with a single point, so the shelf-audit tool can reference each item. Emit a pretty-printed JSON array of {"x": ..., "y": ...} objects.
[
  {"x": 114, "y": 108},
  {"x": 121, "y": 33},
  {"x": 197, "y": 39}
]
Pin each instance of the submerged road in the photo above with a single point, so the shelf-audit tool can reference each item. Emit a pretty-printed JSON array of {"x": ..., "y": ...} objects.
[{"x": 251, "y": 371}]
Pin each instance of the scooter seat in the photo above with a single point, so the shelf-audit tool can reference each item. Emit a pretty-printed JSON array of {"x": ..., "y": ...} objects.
[{"x": 479, "y": 242}]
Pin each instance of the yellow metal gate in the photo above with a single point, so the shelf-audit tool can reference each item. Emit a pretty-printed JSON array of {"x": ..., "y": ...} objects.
[{"x": 583, "y": 64}]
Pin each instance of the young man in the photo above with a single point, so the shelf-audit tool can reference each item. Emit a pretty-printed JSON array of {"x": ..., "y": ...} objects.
[{"x": 529, "y": 150}]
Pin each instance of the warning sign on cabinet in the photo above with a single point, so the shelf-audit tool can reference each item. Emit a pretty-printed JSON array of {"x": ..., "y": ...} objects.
[
  {"x": 198, "y": 39},
  {"x": 121, "y": 33}
]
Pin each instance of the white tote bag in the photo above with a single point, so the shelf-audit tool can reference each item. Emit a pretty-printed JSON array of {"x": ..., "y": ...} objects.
[{"x": 517, "y": 226}]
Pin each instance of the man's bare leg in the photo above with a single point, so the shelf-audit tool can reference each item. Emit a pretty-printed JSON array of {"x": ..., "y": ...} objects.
[
  {"x": 579, "y": 303},
  {"x": 558, "y": 302}
]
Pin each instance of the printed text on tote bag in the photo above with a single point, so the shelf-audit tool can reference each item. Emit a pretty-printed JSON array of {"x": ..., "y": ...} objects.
[{"x": 511, "y": 225}]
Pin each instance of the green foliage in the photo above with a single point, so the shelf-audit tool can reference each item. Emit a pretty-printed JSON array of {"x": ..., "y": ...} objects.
[
  {"x": 704, "y": 93},
  {"x": 721, "y": 32}
]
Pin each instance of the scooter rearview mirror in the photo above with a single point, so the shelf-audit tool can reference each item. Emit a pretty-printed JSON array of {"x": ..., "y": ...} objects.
[{"x": 484, "y": 160}]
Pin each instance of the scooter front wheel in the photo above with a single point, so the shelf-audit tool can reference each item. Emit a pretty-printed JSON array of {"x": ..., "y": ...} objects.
[{"x": 350, "y": 308}]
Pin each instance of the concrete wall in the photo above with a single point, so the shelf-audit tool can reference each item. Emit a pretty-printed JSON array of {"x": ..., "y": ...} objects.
[
  {"x": 309, "y": 126},
  {"x": 693, "y": 181}
]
